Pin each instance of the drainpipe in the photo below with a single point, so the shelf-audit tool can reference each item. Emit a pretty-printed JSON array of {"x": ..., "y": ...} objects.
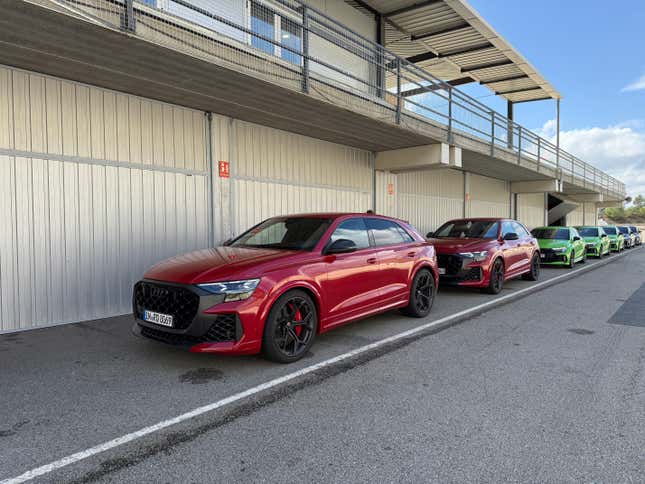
[{"x": 211, "y": 180}]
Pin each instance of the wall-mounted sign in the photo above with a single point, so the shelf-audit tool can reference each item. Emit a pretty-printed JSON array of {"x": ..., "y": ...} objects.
[
  {"x": 390, "y": 188},
  {"x": 224, "y": 169}
]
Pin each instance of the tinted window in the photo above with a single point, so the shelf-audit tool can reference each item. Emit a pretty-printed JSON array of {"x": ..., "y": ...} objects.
[
  {"x": 624, "y": 230},
  {"x": 610, "y": 230},
  {"x": 588, "y": 232},
  {"x": 294, "y": 233},
  {"x": 508, "y": 228},
  {"x": 634, "y": 229},
  {"x": 262, "y": 22},
  {"x": 353, "y": 229},
  {"x": 386, "y": 232},
  {"x": 551, "y": 233},
  {"x": 520, "y": 230},
  {"x": 478, "y": 229}
]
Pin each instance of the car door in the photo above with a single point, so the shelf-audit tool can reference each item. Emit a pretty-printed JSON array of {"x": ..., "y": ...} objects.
[
  {"x": 351, "y": 285},
  {"x": 578, "y": 245},
  {"x": 526, "y": 246},
  {"x": 510, "y": 248},
  {"x": 396, "y": 255}
]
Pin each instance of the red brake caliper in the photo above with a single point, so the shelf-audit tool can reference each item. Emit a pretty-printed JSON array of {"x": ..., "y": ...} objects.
[{"x": 298, "y": 317}]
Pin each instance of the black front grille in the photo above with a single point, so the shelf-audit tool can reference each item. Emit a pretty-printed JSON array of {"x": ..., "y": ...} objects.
[
  {"x": 179, "y": 302},
  {"x": 551, "y": 256},
  {"x": 225, "y": 328},
  {"x": 452, "y": 263}
]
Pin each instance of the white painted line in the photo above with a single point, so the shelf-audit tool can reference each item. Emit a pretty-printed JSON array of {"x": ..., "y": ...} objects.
[{"x": 111, "y": 444}]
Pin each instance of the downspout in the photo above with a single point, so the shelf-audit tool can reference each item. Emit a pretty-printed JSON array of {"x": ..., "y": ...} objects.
[{"x": 211, "y": 181}]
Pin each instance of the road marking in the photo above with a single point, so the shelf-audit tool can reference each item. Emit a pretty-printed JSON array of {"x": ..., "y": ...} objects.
[{"x": 111, "y": 444}]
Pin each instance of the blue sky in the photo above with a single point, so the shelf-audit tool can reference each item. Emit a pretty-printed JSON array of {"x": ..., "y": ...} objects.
[{"x": 594, "y": 54}]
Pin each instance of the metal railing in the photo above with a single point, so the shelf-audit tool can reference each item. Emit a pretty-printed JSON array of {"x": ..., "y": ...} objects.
[{"x": 293, "y": 43}]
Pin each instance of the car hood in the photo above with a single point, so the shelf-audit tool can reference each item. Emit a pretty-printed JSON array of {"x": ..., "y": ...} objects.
[
  {"x": 591, "y": 240},
  {"x": 552, "y": 243},
  {"x": 218, "y": 264},
  {"x": 453, "y": 245}
]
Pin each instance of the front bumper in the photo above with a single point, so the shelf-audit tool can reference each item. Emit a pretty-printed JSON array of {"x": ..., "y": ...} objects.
[
  {"x": 199, "y": 324},
  {"x": 550, "y": 257},
  {"x": 594, "y": 250},
  {"x": 461, "y": 271}
]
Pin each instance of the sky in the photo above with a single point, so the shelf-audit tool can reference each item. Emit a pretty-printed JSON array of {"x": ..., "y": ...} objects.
[{"x": 593, "y": 53}]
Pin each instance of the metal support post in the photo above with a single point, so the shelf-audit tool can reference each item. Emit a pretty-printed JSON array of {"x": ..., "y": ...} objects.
[{"x": 305, "y": 50}]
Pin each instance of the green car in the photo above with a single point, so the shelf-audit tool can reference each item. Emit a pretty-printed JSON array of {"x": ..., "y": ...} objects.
[
  {"x": 560, "y": 246},
  {"x": 616, "y": 239},
  {"x": 595, "y": 239}
]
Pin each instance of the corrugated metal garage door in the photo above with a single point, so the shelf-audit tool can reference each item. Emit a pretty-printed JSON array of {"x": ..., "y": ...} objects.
[
  {"x": 428, "y": 198},
  {"x": 95, "y": 186},
  {"x": 489, "y": 197},
  {"x": 530, "y": 209},
  {"x": 277, "y": 173}
]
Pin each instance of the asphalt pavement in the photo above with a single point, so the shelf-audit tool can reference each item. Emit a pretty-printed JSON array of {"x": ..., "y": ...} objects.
[{"x": 548, "y": 388}]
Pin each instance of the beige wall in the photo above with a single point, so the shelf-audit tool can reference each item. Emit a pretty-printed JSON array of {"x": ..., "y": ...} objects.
[
  {"x": 95, "y": 186},
  {"x": 489, "y": 197},
  {"x": 591, "y": 214},
  {"x": 576, "y": 217},
  {"x": 531, "y": 209}
]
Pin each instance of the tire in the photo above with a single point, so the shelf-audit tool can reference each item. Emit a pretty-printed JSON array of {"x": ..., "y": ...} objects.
[
  {"x": 572, "y": 259},
  {"x": 534, "y": 273},
  {"x": 283, "y": 341},
  {"x": 496, "y": 283},
  {"x": 422, "y": 292},
  {"x": 584, "y": 257}
]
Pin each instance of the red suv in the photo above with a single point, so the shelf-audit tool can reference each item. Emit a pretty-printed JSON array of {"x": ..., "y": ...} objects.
[
  {"x": 275, "y": 287},
  {"x": 485, "y": 252}
]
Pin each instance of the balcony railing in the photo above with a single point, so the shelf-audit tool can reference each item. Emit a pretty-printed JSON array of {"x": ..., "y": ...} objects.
[{"x": 289, "y": 42}]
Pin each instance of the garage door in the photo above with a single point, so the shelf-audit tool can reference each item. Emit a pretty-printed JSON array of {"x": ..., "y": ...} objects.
[
  {"x": 428, "y": 198},
  {"x": 530, "y": 209},
  {"x": 95, "y": 186},
  {"x": 276, "y": 173},
  {"x": 489, "y": 197}
]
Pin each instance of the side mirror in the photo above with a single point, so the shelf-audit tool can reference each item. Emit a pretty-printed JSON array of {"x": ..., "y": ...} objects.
[
  {"x": 341, "y": 246},
  {"x": 575, "y": 238},
  {"x": 429, "y": 235},
  {"x": 511, "y": 236}
]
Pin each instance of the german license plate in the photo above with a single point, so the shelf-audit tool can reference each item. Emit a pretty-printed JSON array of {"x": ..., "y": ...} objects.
[
  {"x": 442, "y": 271},
  {"x": 158, "y": 318},
  {"x": 543, "y": 256}
]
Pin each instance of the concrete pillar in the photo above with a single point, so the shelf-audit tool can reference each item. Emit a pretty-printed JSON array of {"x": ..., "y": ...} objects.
[{"x": 466, "y": 194}]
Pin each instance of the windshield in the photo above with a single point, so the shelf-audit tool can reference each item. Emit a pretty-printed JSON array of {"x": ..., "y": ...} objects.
[
  {"x": 588, "y": 232},
  {"x": 476, "y": 229},
  {"x": 624, "y": 230},
  {"x": 292, "y": 233},
  {"x": 551, "y": 233},
  {"x": 610, "y": 230}
]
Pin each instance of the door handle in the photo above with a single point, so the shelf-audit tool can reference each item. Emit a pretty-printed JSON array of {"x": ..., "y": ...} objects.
[
  {"x": 371, "y": 260},
  {"x": 411, "y": 254}
]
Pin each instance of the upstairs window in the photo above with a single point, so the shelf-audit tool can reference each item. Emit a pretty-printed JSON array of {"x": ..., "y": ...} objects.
[{"x": 286, "y": 33}]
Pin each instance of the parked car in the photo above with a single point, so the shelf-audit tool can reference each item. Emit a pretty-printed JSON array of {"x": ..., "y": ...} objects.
[
  {"x": 616, "y": 239},
  {"x": 560, "y": 245},
  {"x": 273, "y": 288},
  {"x": 595, "y": 239},
  {"x": 485, "y": 252},
  {"x": 637, "y": 235},
  {"x": 630, "y": 239}
]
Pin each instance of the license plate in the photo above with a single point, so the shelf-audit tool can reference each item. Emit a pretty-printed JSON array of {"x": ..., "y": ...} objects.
[
  {"x": 442, "y": 271},
  {"x": 158, "y": 318},
  {"x": 543, "y": 256}
]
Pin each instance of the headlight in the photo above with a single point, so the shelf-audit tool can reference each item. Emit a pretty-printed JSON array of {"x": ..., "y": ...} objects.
[
  {"x": 476, "y": 256},
  {"x": 234, "y": 290},
  {"x": 559, "y": 249}
]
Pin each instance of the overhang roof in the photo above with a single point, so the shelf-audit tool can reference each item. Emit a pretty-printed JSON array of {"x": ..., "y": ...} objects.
[{"x": 451, "y": 41}]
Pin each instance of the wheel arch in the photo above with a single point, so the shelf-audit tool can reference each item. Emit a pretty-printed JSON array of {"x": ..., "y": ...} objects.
[{"x": 296, "y": 285}]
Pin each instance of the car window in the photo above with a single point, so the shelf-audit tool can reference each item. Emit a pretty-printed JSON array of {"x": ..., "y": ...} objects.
[
  {"x": 574, "y": 233},
  {"x": 520, "y": 230},
  {"x": 290, "y": 233},
  {"x": 589, "y": 232},
  {"x": 610, "y": 230},
  {"x": 386, "y": 232},
  {"x": 353, "y": 229},
  {"x": 478, "y": 229},
  {"x": 507, "y": 228}
]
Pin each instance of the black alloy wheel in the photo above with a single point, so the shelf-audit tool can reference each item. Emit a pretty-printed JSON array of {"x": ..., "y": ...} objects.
[
  {"x": 422, "y": 293},
  {"x": 534, "y": 273},
  {"x": 290, "y": 328},
  {"x": 496, "y": 282}
]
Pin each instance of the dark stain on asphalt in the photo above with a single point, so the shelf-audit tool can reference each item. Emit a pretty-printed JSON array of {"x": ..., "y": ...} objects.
[
  {"x": 14, "y": 429},
  {"x": 580, "y": 331},
  {"x": 201, "y": 376}
]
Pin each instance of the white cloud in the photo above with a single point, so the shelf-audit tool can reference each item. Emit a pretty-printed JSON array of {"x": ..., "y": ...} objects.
[
  {"x": 635, "y": 86},
  {"x": 619, "y": 150}
]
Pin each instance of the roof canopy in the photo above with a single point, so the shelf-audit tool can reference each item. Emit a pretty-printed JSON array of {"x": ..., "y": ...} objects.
[{"x": 451, "y": 41}]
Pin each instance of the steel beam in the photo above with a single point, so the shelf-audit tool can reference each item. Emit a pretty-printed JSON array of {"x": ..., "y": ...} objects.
[
  {"x": 456, "y": 28},
  {"x": 504, "y": 79},
  {"x": 514, "y": 91},
  {"x": 489, "y": 65},
  {"x": 410, "y": 8}
]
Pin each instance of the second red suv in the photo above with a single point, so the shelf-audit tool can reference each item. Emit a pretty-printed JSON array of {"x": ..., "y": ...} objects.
[{"x": 485, "y": 252}]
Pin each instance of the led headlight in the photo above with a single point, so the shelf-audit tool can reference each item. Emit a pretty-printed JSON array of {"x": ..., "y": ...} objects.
[
  {"x": 476, "y": 256},
  {"x": 233, "y": 290},
  {"x": 559, "y": 249}
]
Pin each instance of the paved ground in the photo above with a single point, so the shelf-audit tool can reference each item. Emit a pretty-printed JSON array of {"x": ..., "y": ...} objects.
[{"x": 543, "y": 389}]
